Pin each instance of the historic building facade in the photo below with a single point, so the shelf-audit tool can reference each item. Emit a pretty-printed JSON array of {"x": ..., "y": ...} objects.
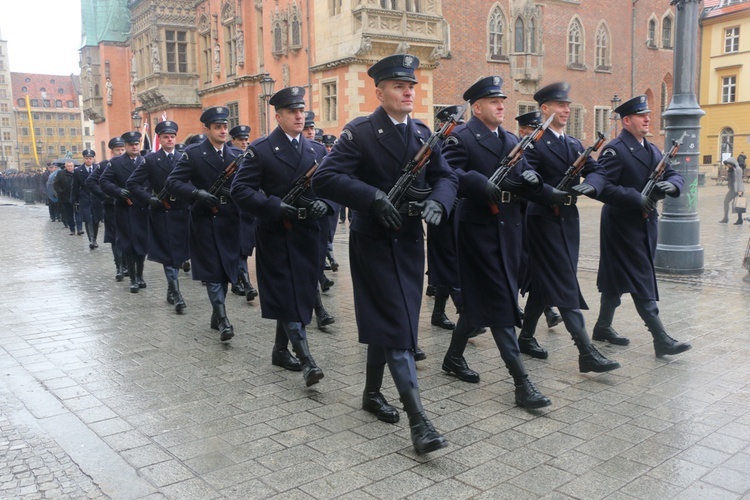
[{"x": 8, "y": 139}]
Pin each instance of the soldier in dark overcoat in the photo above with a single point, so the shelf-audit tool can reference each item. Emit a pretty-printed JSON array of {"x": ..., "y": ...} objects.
[
  {"x": 241, "y": 139},
  {"x": 131, "y": 218},
  {"x": 214, "y": 239},
  {"x": 89, "y": 206},
  {"x": 168, "y": 227},
  {"x": 287, "y": 253},
  {"x": 63, "y": 186},
  {"x": 489, "y": 245},
  {"x": 116, "y": 148},
  {"x": 628, "y": 239},
  {"x": 553, "y": 232},
  {"x": 386, "y": 247}
]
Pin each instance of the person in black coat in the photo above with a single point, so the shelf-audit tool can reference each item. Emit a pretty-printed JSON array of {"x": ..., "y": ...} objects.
[
  {"x": 287, "y": 253},
  {"x": 489, "y": 243},
  {"x": 131, "y": 218},
  {"x": 63, "y": 186},
  {"x": 169, "y": 218},
  {"x": 89, "y": 206},
  {"x": 214, "y": 240},
  {"x": 386, "y": 245},
  {"x": 116, "y": 148},
  {"x": 628, "y": 239},
  {"x": 553, "y": 232}
]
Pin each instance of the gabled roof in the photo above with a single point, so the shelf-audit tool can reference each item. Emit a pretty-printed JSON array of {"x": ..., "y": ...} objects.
[
  {"x": 52, "y": 87},
  {"x": 713, "y": 9}
]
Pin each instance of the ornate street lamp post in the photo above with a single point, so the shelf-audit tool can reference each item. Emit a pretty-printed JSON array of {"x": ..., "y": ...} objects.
[
  {"x": 266, "y": 84},
  {"x": 136, "y": 120}
]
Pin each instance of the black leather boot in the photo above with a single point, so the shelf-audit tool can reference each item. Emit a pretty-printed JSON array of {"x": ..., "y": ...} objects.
[
  {"x": 527, "y": 395},
  {"x": 419, "y": 354},
  {"x": 454, "y": 361},
  {"x": 226, "y": 330},
  {"x": 527, "y": 344},
  {"x": 251, "y": 292},
  {"x": 89, "y": 234},
  {"x": 310, "y": 371},
  {"x": 170, "y": 292},
  {"x": 325, "y": 282},
  {"x": 280, "y": 356},
  {"x": 438, "y": 311},
  {"x": 131, "y": 273},
  {"x": 321, "y": 315},
  {"x": 95, "y": 228},
  {"x": 608, "y": 334},
  {"x": 332, "y": 261},
  {"x": 139, "y": 271},
  {"x": 372, "y": 400},
  {"x": 423, "y": 434},
  {"x": 591, "y": 360},
  {"x": 179, "y": 301},
  {"x": 552, "y": 317},
  {"x": 666, "y": 345},
  {"x": 119, "y": 276}
]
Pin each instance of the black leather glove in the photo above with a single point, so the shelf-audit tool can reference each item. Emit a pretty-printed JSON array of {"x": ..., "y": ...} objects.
[
  {"x": 432, "y": 212},
  {"x": 492, "y": 193},
  {"x": 316, "y": 210},
  {"x": 647, "y": 204},
  {"x": 530, "y": 178},
  {"x": 559, "y": 197},
  {"x": 124, "y": 194},
  {"x": 667, "y": 188},
  {"x": 385, "y": 212},
  {"x": 584, "y": 189},
  {"x": 287, "y": 211},
  {"x": 154, "y": 202},
  {"x": 204, "y": 197}
]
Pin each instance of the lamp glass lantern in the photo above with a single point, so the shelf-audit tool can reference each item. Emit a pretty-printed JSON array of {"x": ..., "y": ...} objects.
[
  {"x": 136, "y": 120},
  {"x": 267, "y": 84}
]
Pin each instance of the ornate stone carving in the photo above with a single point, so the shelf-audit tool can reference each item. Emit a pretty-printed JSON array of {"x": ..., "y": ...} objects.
[
  {"x": 285, "y": 75},
  {"x": 203, "y": 24},
  {"x": 365, "y": 46},
  {"x": 109, "y": 92},
  {"x": 155, "y": 58},
  {"x": 227, "y": 11},
  {"x": 240, "y": 39},
  {"x": 437, "y": 53},
  {"x": 402, "y": 48},
  {"x": 259, "y": 4},
  {"x": 217, "y": 59}
]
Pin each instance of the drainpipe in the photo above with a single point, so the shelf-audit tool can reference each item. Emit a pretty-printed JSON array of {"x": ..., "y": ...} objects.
[{"x": 632, "y": 53}]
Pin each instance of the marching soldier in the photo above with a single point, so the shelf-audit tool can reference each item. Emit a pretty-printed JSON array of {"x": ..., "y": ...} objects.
[
  {"x": 489, "y": 245},
  {"x": 628, "y": 240},
  {"x": 214, "y": 239},
  {"x": 328, "y": 141},
  {"x": 116, "y": 148},
  {"x": 88, "y": 205},
  {"x": 168, "y": 227},
  {"x": 131, "y": 219},
  {"x": 241, "y": 139},
  {"x": 386, "y": 248},
  {"x": 553, "y": 233},
  {"x": 287, "y": 235}
]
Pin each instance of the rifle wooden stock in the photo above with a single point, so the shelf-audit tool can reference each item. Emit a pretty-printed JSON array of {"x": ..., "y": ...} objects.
[{"x": 574, "y": 171}]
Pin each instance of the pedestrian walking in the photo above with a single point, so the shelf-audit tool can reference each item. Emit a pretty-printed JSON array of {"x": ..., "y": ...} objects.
[{"x": 735, "y": 189}]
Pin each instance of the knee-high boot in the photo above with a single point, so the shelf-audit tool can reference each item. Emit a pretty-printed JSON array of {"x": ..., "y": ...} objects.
[
  {"x": 280, "y": 356},
  {"x": 321, "y": 315},
  {"x": 139, "y": 261},
  {"x": 130, "y": 259},
  {"x": 438, "y": 311},
  {"x": 310, "y": 371},
  {"x": 178, "y": 300}
]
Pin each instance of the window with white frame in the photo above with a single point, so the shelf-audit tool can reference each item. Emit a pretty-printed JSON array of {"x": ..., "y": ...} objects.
[
  {"x": 330, "y": 101},
  {"x": 575, "y": 44},
  {"x": 497, "y": 35},
  {"x": 575, "y": 122},
  {"x": 732, "y": 40},
  {"x": 728, "y": 89}
]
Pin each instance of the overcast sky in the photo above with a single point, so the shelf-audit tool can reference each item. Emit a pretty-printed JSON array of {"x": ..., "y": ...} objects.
[{"x": 43, "y": 35}]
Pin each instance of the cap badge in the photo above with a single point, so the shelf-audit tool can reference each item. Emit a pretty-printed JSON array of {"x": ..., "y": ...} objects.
[
  {"x": 408, "y": 60},
  {"x": 219, "y": 110},
  {"x": 496, "y": 81},
  {"x": 643, "y": 99},
  {"x": 295, "y": 90}
]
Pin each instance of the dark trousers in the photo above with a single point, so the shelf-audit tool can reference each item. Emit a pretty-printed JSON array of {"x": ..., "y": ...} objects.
[
  {"x": 647, "y": 310},
  {"x": 572, "y": 318},
  {"x": 54, "y": 213},
  {"x": 727, "y": 201},
  {"x": 217, "y": 292},
  {"x": 172, "y": 273},
  {"x": 400, "y": 363},
  {"x": 66, "y": 214}
]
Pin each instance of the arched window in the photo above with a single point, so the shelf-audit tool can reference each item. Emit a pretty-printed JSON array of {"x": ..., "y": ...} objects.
[
  {"x": 96, "y": 90},
  {"x": 58, "y": 103},
  {"x": 602, "y": 48},
  {"x": 651, "y": 41},
  {"x": 388, "y": 4},
  {"x": 277, "y": 38},
  {"x": 575, "y": 42},
  {"x": 666, "y": 33},
  {"x": 532, "y": 36},
  {"x": 726, "y": 142},
  {"x": 296, "y": 33},
  {"x": 496, "y": 32},
  {"x": 519, "y": 34}
]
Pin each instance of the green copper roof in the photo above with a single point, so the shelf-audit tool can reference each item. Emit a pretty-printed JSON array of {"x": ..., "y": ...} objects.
[{"x": 104, "y": 21}]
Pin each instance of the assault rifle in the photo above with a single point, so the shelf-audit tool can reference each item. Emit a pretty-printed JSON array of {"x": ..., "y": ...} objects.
[
  {"x": 658, "y": 173},
  {"x": 410, "y": 172},
  {"x": 294, "y": 194},
  {"x": 507, "y": 163},
  {"x": 162, "y": 196},
  {"x": 225, "y": 175}
]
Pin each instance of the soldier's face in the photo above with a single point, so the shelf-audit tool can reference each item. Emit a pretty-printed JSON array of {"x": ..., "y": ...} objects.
[
  {"x": 88, "y": 160},
  {"x": 168, "y": 141},
  {"x": 217, "y": 133},
  {"x": 241, "y": 142},
  {"x": 490, "y": 110},
  {"x": 329, "y": 147},
  {"x": 561, "y": 110},
  {"x": 133, "y": 149},
  {"x": 118, "y": 151},
  {"x": 291, "y": 121},
  {"x": 523, "y": 130},
  {"x": 396, "y": 96},
  {"x": 309, "y": 133},
  {"x": 638, "y": 125}
]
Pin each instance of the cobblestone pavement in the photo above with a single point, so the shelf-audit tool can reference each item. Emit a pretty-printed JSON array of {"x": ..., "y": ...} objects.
[{"x": 107, "y": 393}]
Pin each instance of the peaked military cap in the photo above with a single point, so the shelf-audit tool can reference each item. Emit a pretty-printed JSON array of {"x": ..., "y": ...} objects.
[
  {"x": 88, "y": 153},
  {"x": 216, "y": 114},
  {"x": 116, "y": 142},
  {"x": 444, "y": 114},
  {"x": 485, "y": 87},
  {"x": 328, "y": 139},
  {"x": 309, "y": 119},
  {"x": 531, "y": 119},
  {"x": 553, "y": 92},
  {"x": 289, "y": 97},
  {"x": 179, "y": 147},
  {"x": 131, "y": 137},
  {"x": 240, "y": 132},
  {"x": 395, "y": 67},
  {"x": 319, "y": 134},
  {"x": 166, "y": 127},
  {"x": 197, "y": 138},
  {"x": 638, "y": 105}
]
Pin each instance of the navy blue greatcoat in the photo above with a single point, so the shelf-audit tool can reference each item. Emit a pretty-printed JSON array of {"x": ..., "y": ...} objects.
[
  {"x": 168, "y": 229},
  {"x": 108, "y": 203},
  {"x": 387, "y": 266},
  {"x": 89, "y": 205},
  {"x": 628, "y": 241},
  {"x": 488, "y": 246},
  {"x": 554, "y": 240},
  {"x": 131, "y": 221},
  {"x": 287, "y": 261},
  {"x": 214, "y": 238}
]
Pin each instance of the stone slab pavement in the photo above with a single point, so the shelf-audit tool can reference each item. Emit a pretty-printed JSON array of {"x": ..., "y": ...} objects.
[{"x": 104, "y": 393}]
